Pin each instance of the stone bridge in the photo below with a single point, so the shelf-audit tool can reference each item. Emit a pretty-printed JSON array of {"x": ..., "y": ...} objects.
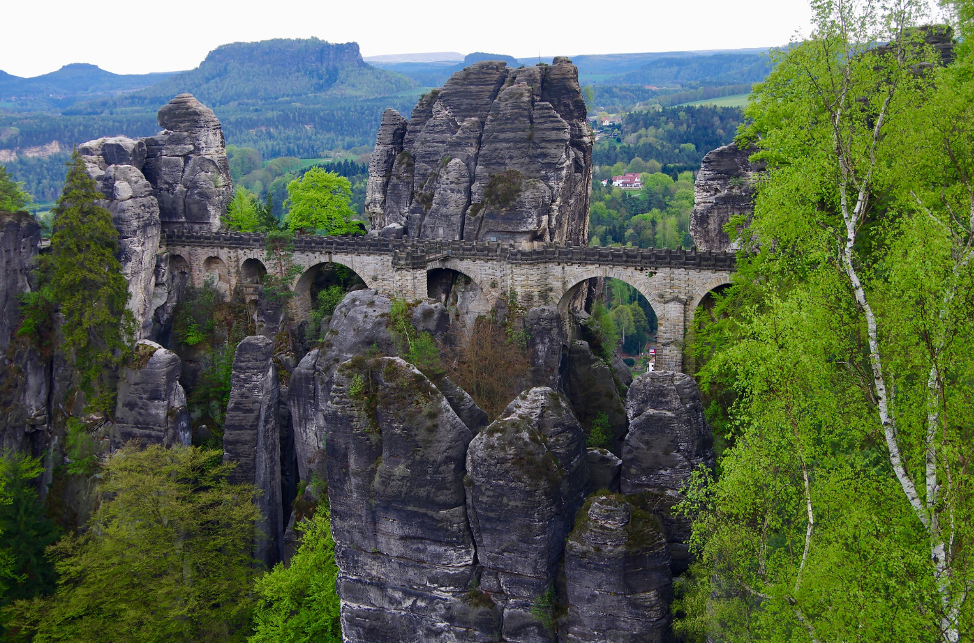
[{"x": 673, "y": 281}]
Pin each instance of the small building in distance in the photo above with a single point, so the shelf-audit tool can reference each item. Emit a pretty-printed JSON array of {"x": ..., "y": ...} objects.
[{"x": 628, "y": 181}]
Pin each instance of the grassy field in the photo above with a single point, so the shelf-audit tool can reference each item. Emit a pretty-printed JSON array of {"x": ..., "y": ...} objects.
[{"x": 737, "y": 100}]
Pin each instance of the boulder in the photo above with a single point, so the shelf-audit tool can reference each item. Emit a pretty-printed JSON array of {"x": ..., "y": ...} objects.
[
  {"x": 251, "y": 438},
  {"x": 527, "y": 476},
  {"x": 403, "y": 544},
  {"x": 497, "y": 153},
  {"x": 617, "y": 574},
  {"x": 724, "y": 189},
  {"x": 151, "y": 404}
]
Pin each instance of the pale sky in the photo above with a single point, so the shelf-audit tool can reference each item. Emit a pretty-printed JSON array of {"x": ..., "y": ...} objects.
[{"x": 141, "y": 36}]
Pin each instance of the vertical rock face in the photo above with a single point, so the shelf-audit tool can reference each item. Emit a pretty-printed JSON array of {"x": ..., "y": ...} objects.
[
  {"x": 593, "y": 390},
  {"x": 187, "y": 166},
  {"x": 251, "y": 437},
  {"x": 723, "y": 189},
  {"x": 24, "y": 375},
  {"x": 115, "y": 164},
  {"x": 668, "y": 438},
  {"x": 179, "y": 178},
  {"x": 395, "y": 478},
  {"x": 617, "y": 572},
  {"x": 527, "y": 477},
  {"x": 151, "y": 404},
  {"x": 497, "y": 153}
]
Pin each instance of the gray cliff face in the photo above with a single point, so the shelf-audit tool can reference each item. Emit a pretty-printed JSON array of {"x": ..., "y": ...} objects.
[
  {"x": 24, "y": 376},
  {"x": 593, "y": 389},
  {"x": 724, "y": 188},
  {"x": 497, "y": 153},
  {"x": 668, "y": 438},
  {"x": 251, "y": 437},
  {"x": 617, "y": 572},
  {"x": 527, "y": 478},
  {"x": 179, "y": 178},
  {"x": 187, "y": 166},
  {"x": 115, "y": 164},
  {"x": 151, "y": 404},
  {"x": 399, "y": 518}
]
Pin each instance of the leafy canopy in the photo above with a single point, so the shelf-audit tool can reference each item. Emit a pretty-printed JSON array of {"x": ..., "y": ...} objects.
[
  {"x": 13, "y": 198},
  {"x": 167, "y": 556},
  {"x": 319, "y": 201},
  {"x": 845, "y": 348},
  {"x": 299, "y": 603}
]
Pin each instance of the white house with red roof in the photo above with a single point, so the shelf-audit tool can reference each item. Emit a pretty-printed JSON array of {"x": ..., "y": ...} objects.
[{"x": 628, "y": 181}]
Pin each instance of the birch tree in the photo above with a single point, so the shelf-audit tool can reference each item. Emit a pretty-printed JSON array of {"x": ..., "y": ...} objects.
[{"x": 843, "y": 506}]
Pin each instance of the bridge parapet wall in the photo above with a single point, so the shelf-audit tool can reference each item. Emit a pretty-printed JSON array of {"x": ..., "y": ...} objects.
[{"x": 673, "y": 281}]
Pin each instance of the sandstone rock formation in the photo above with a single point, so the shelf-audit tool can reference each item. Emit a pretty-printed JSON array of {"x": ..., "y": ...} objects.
[
  {"x": 496, "y": 154},
  {"x": 617, "y": 572},
  {"x": 187, "y": 166},
  {"x": 723, "y": 189},
  {"x": 115, "y": 164},
  {"x": 24, "y": 374},
  {"x": 151, "y": 404},
  {"x": 399, "y": 518},
  {"x": 178, "y": 178},
  {"x": 527, "y": 478},
  {"x": 251, "y": 437},
  {"x": 594, "y": 390},
  {"x": 668, "y": 439}
]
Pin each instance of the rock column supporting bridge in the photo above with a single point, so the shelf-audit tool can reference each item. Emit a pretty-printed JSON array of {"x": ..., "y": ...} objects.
[{"x": 673, "y": 281}]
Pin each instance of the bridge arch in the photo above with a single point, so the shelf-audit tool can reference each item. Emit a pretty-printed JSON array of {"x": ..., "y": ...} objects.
[
  {"x": 712, "y": 286},
  {"x": 456, "y": 289},
  {"x": 317, "y": 278},
  {"x": 216, "y": 269}
]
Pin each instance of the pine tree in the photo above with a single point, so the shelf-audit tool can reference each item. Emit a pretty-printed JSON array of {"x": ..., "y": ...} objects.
[{"x": 88, "y": 284}]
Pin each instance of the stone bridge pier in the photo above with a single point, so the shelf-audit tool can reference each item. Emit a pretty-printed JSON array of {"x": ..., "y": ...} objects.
[{"x": 673, "y": 281}]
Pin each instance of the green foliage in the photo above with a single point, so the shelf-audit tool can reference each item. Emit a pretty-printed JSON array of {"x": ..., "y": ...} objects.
[
  {"x": 80, "y": 448},
  {"x": 319, "y": 201},
  {"x": 543, "y": 608},
  {"x": 846, "y": 345},
  {"x": 167, "y": 557},
  {"x": 602, "y": 331},
  {"x": 503, "y": 189},
  {"x": 210, "y": 395},
  {"x": 299, "y": 603},
  {"x": 194, "y": 318},
  {"x": 25, "y": 532},
  {"x": 13, "y": 198},
  {"x": 37, "y": 309},
  {"x": 88, "y": 285},
  {"x": 419, "y": 349},
  {"x": 600, "y": 435},
  {"x": 324, "y": 305},
  {"x": 242, "y": 211}
]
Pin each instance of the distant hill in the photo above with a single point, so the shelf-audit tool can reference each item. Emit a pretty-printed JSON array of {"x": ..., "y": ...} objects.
[
  {"x": 69, "y": 84},
  {"x": 426, "y": 57}
]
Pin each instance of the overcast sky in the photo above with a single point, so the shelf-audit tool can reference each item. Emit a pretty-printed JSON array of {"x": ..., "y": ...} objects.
[{"x": 137, "y": 36}]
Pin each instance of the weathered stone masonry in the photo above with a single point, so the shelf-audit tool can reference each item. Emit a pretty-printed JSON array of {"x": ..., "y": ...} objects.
[{"x": 673, "y": 281}]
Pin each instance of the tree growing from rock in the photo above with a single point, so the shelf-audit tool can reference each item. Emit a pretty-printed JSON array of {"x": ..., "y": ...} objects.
[
  {"x": 88, "y": 285},
  {"x": 13, "y": 198}
]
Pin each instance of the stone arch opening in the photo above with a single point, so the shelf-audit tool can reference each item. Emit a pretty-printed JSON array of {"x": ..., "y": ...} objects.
[
  {"x": 252, "y": 273},
  {"x": 615, "y": 311},
  {"x": 179, "y": 272},
  {"x": 457, "y": 291},
  {"x": 321, "y": 287},
  {"x": 701, "y": 314},
  {"x": 215, "y": 269}
]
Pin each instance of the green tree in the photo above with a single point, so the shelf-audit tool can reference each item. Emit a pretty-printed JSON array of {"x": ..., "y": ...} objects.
[
  {"x": 281, "y": 272},
  {"x": 242, "y": 211},
  {"x": 841, "y": 505},
  {"x": 13, "y": 198},
  {"x": 319, "y": 201},
  {"x": 25, "y": 532},
  {"x": 299, "y": 603},
  {"x": 88, "y": 285},
  {"x": 167, "y": 556}
]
